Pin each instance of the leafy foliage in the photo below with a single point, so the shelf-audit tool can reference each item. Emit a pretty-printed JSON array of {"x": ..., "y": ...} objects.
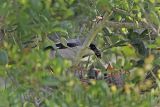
[{"x": 129, "y": 40}]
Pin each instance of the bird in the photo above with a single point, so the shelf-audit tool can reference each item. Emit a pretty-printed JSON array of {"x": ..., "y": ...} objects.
[{"x": 69, "y": 51}]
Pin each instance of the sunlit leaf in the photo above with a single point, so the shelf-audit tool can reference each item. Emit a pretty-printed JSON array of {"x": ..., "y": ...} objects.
[{"x": 154, "y": 17}]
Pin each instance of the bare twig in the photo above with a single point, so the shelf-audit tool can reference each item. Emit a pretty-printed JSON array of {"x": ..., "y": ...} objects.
[{"x": 121, "y": 11}]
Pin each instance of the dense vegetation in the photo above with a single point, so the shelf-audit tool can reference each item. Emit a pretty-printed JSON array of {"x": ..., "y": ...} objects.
[{"x": 127, "y": 32}]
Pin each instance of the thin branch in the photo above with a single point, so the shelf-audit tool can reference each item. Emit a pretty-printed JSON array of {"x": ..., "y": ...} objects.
[
  {"x": 121, "y": 11},
  {"x": 90, "y": 37},
  {"x": 126, "y": 25}
]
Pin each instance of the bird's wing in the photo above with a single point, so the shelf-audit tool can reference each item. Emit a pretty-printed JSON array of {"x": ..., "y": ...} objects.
[
  {"x": 70, "y": 53},
  {"x": 67, "y": 53},
  {"x": 54, "y": 37}
]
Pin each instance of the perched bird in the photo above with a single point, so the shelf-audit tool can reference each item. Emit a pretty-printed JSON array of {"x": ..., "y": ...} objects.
[{"x": 69, "y": 51}]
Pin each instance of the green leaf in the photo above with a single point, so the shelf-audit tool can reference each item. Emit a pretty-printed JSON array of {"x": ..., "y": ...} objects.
[
  {"x": 152, "y": 1},
  {"x": 152, "y": 46},
  {"x": 154, "y": 18},
  {"x": 51, "y": 81},
  {"x": 3, "y": 57},
  {"x": 158, "y": 41},
  {"x": 128, "y": 51},
  {"x": 3, "y": 98}
]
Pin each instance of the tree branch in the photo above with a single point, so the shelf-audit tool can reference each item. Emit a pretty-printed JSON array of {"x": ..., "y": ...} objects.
[
  {"x": 90, "y": 37},
  {"x": 126, "y": 25},
  {"x": 124, "y": 12}
]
